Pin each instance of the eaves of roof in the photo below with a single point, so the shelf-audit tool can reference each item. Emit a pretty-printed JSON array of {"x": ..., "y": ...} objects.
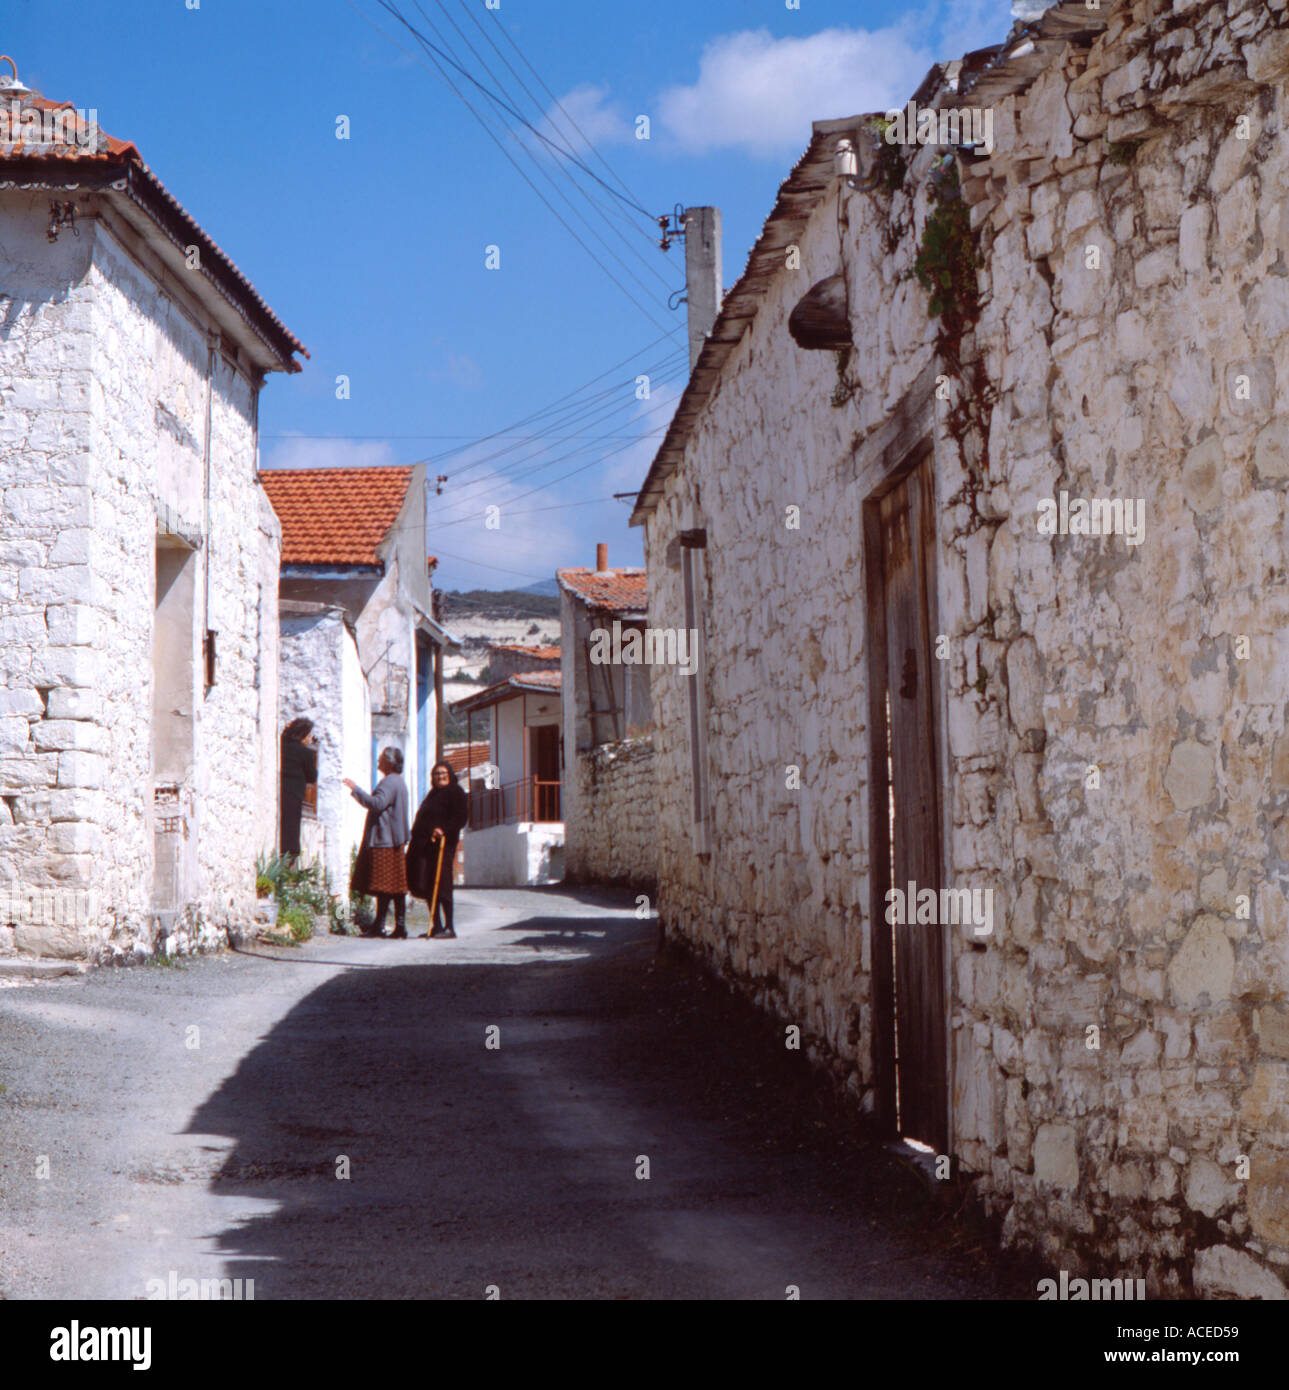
[
  {"x": 526, "y": 683},
  {"x": 115, "y": 167}
]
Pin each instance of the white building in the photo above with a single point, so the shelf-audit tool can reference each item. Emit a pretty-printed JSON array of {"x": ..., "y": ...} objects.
[
  {"x": 138, "y": 556},
  {"x": 361, "y": 651},
  {"x": 516, "y": 829}
]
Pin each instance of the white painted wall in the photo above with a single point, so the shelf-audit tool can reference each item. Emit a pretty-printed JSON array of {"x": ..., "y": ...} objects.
[{"x": 104, "y": 367}]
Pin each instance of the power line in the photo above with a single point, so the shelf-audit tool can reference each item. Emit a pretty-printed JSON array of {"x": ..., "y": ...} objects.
[
  {"x": 613, "y": 227},
  {"x": 482, "y": 485},
  {"x": 488, "y": 131},
  {"x": 518, "y": 115},
  {"x": 511, "y": 41},
  {"x": 591, "y": 412},
  {"x": 649, "y": 236}
]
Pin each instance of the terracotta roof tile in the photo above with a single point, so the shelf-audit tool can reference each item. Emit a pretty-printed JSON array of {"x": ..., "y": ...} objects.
[
  {"x": 537, "y": 653},
  {"x": 548, "y": 680},
  {"x": 335, "y": 516},
  {"x": 467, "y": 755},
  {"x": 616, "y": 590}
]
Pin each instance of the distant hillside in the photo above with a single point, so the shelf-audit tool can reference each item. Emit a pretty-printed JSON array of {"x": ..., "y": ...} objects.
[
  {"x": 543, "y": 586},
  {"x": 499, "y": 603}
]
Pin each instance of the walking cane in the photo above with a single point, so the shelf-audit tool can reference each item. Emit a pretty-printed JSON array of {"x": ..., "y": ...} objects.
[{"x": 438, "y": 869}]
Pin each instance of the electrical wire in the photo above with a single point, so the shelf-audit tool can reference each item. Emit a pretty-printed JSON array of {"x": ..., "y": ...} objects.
[
  {"x": 438, "y": 67},
  {"x": 542, "y": 169}
]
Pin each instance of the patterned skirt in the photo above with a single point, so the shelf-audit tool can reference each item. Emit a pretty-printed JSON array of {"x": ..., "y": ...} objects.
[{"x": 388, "y": 871}]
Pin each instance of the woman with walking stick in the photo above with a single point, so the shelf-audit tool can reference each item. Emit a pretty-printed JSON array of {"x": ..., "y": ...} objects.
[{"x": 433, "y": 846}]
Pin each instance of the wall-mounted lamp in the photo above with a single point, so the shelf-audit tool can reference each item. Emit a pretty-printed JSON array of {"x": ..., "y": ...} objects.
[{"x": 846, "y": 165}]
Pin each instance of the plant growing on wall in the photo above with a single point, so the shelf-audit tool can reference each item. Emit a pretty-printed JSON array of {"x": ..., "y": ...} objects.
[{"x": 946, "y": 265}]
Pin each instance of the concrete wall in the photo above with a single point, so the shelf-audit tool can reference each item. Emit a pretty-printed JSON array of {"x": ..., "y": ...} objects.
[
  {"x": 512, "y": 856},
  {"x": 611, "y": 816},
  {"x": 1148, "y": 902},
  {"x": 101, "y": 436}
]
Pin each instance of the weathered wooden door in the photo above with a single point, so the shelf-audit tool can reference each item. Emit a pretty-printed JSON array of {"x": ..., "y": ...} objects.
[{"x": 909, "y": 1007}]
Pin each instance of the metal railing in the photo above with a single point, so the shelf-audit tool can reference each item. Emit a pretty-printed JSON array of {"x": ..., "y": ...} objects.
[{"x": 529, "y": 799}]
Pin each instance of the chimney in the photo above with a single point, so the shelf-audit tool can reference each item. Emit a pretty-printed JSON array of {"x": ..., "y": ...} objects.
[
  {"x": 702, "y": 274},
  {"x": 601, "y": 557}
]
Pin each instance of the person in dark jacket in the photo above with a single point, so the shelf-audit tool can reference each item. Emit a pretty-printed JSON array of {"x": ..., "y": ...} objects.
[
  {"x": 299, "y": 770},
  {"x": 382, "y": 864},
  {"x": 440, "y": 821}
]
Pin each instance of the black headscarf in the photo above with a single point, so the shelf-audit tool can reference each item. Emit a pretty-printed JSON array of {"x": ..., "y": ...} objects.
[{"x": 447, "y": 809}]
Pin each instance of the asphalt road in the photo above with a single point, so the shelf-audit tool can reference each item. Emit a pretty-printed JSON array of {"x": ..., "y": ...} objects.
[{"x": 176, "y": 1154}]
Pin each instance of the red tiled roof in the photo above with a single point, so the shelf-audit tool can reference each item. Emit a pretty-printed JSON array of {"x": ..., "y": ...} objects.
[
  {"x": 335, "y": 516},
  {"x": 537, "y": 653},
  {"x": 102, "y": 159},
  {"x": 548, "y": 680},
  {"x": 618, "y": 590},
  {"x": 466, "y": 755}
]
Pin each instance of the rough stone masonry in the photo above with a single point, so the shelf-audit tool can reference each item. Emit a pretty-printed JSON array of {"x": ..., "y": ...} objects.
[
  {"x": 1114, "y": 757},
  {"x": 131, "y": 788}
]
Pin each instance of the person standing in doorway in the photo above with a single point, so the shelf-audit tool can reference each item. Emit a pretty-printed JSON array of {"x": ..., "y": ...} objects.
[
  {"x": 381, "y": 868},
  {"x": 299, "y": 773},
  {"x": 439, "y": 823}
]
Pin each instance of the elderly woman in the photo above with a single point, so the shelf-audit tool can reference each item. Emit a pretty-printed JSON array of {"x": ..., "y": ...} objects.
[
  {"x": 433, "y": 846},
  {"x": 382, "y": 866},
  {"x": 299, "y": 772}
]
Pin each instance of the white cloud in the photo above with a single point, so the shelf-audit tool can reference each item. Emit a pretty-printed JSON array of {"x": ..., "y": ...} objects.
[
  {"x": 525, "y": 546},
  {"x": 760, "y": 94},
  {"x": 586, "y": 109},
  {"x": 299, "y": 451}
]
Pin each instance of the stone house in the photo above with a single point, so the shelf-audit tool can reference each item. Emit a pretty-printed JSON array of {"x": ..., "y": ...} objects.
[
  {"x": 138, "y": 554},
  {"x": 509, "y": 658},
  {"x": 609, "y": 795},
  {"x": 516, "y": 827},
  {"x": 1019, "y": 636},
  {"x": 354, "y": 548}
]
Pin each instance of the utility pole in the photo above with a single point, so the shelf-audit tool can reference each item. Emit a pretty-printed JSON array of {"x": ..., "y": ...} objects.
[{"x": 702, "y": 274}]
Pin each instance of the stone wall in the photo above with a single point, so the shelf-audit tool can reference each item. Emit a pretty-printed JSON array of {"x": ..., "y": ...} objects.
[
  {"x": 1114, "y": 715},
  {"x": 614, "y": 836},
  {"x": 322, "y": 680},
  {"x": 105, "y": 378}
]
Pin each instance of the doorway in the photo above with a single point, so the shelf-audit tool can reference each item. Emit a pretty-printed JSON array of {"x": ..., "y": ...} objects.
[
  {"x": 910, "y": 1011},
  {"x": 543, "y": 758}
]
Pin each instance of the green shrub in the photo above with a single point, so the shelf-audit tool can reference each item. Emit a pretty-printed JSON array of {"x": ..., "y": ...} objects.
[{"x": 298, "y": 919}]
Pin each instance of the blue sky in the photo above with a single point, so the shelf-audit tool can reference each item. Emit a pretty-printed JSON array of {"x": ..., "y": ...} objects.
[{"x": 372, "y": 249}]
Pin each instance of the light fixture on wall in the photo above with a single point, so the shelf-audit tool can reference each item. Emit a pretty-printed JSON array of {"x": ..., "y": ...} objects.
[{"x": 846, "y": 165}]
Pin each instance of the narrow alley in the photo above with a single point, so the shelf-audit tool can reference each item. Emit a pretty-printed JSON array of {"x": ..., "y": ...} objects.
[{"x": 198, "y": 1118}]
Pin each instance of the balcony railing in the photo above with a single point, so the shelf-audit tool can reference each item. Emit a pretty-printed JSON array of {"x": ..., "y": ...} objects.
[{"x": 529, "y": 799}]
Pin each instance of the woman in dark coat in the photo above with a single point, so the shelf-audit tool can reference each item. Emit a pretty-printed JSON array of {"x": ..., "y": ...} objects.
[
  {"x": 382, "y": 864},
  {"x": 440, "y": 820},
  {"x": 299, "y": 770}
]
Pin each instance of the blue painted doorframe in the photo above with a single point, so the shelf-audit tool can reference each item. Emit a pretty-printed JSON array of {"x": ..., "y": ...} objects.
[{"x": 424, "y": 689}]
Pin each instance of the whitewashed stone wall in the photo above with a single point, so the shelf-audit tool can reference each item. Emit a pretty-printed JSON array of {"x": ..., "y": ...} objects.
[
  {"x": 1162, "y": 376},
  {"x": 104, "y": 383},
  {"x": 614, "y": 835},
  {"x": 322, "y": 679}
]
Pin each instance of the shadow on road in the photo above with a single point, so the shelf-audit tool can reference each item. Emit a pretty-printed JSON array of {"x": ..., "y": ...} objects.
[{"x": 411, "y": 1160}]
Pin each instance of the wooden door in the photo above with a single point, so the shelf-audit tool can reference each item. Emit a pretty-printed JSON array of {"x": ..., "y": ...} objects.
[
  {"x": 909, "y": 1004},
  {"x": 543, "y": 758}
]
